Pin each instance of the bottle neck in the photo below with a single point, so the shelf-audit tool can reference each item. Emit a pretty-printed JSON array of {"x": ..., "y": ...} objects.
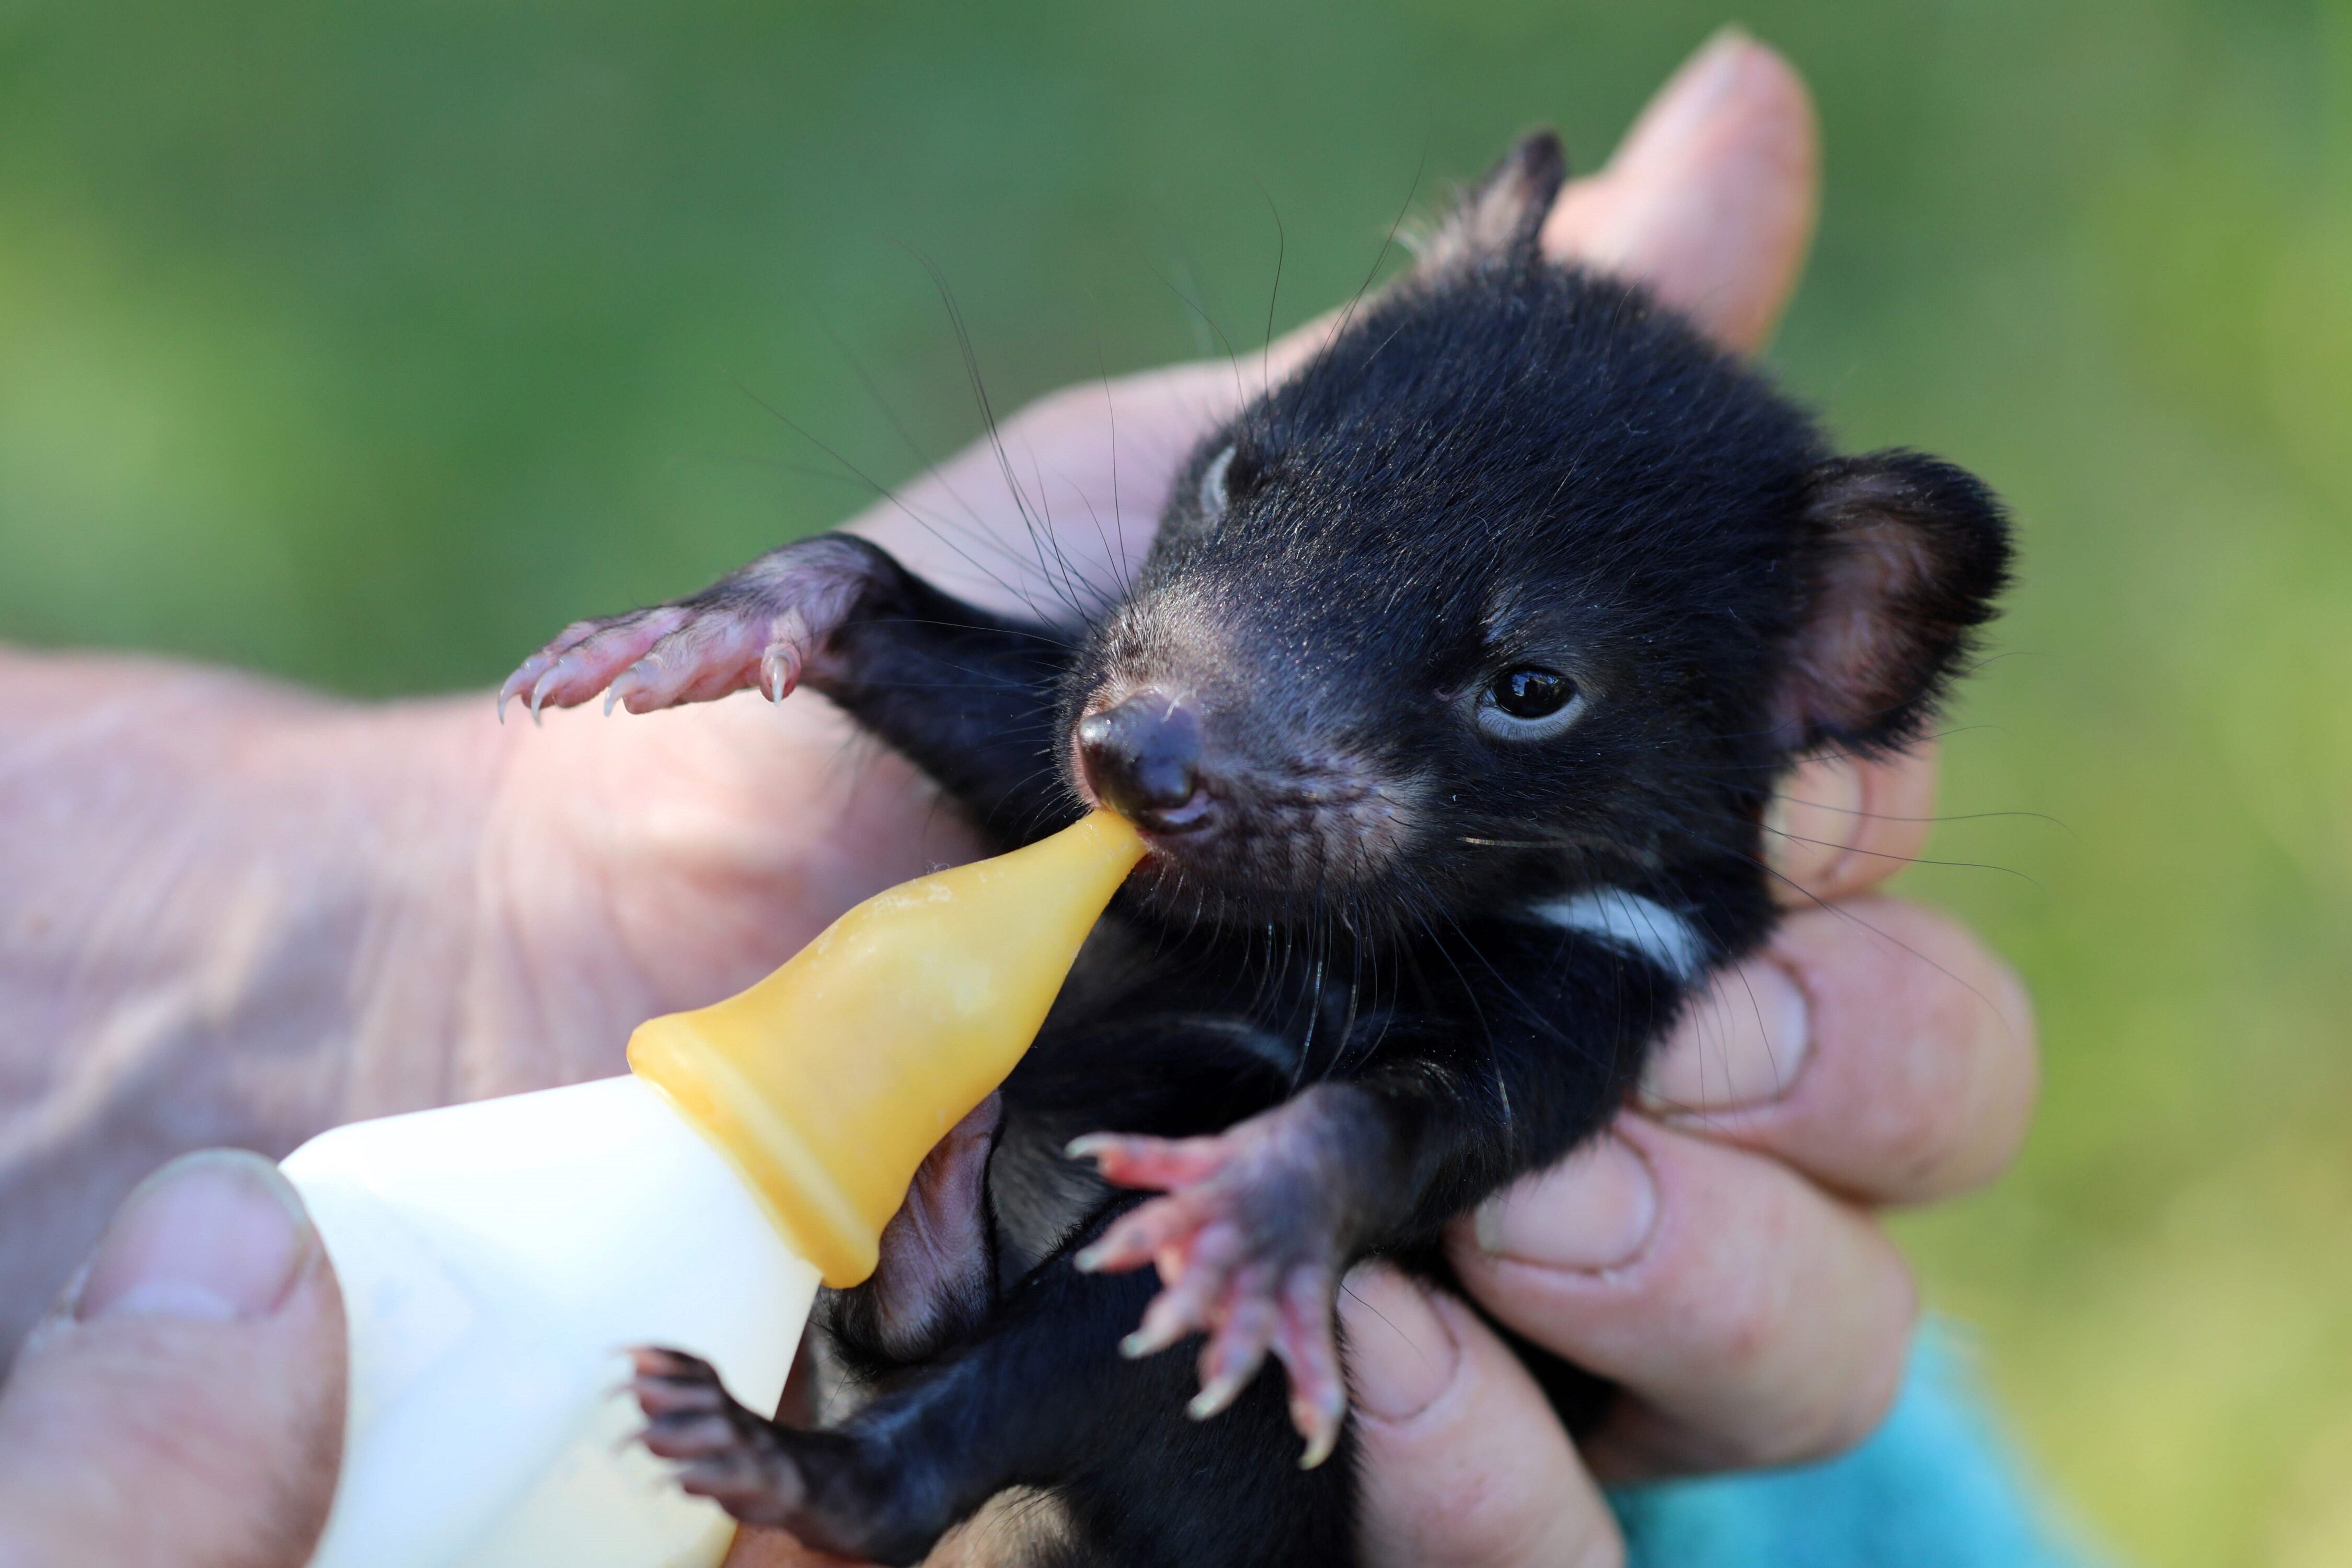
[{"x": 828, "y": 1082}]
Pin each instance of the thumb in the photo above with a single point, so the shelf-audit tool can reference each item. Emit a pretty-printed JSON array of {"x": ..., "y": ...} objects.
[
  {"x": 1710, "y": 199},
  {"x": 183, "y": 1406}
]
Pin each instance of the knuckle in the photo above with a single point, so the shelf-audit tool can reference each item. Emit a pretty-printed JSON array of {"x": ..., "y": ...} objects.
[{"x": 1747, "y": 1319}]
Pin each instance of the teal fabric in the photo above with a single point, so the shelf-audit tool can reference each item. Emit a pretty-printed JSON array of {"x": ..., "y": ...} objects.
[{"x": 1935, "y": 1488}]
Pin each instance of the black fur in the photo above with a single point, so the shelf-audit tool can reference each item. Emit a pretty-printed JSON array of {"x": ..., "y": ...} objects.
[{"x": 1499, "y": 463}]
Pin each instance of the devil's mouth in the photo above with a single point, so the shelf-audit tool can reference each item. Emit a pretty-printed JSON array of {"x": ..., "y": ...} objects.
[
  {"x": 1256, "y": 862},
  {"x": 1265, "y": 843},
  {"x": 1197, "y": 812}
]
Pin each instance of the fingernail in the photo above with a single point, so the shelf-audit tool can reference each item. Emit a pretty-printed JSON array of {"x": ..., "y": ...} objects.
[
  {"x": 1743, "y": 1043},
  {"x": 214, "y": 1235},
  {"x": 1400, "y": 1355},
  {"x": 1812, "y": 820},
  {"x": 1592, "y": 1212},
  {"x": 1705, "y": 77},
  {"x": 1719, "y": 57}
]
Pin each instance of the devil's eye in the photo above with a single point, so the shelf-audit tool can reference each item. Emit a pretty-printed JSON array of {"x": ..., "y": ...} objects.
[
  {"x": 1214, "y": 497},
  {"x": 1528, "y": 703},
  {"x": 1532, "y": 693}
]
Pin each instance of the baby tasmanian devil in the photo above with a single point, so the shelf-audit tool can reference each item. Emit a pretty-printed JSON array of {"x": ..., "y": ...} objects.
[{"x": 1448, "y": 700}]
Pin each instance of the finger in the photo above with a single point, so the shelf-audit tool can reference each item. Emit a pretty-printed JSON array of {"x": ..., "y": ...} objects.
[
  {"x": 1838, "y": 827},
  {"x": 1749, "y": 1318},
  {"x": 1464, "y": 1463},
  {"x": 185, "y": 1406},
  {"x": 1878, "y": 1046},
  {"x": 1710, "y": 199}
]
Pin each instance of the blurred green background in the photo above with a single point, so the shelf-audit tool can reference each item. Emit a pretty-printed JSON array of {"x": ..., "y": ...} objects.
[{"x": 368, "y": 343}]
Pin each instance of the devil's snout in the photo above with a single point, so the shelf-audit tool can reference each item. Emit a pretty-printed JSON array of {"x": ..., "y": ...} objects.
[{"x": 1143, "y": 759}]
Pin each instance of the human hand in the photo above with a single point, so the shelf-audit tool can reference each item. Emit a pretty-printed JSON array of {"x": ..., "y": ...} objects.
[{"x": 183, "y": 1405}]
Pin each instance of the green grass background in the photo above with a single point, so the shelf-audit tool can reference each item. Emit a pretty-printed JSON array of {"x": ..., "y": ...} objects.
[{"x": 367, "y": 344}]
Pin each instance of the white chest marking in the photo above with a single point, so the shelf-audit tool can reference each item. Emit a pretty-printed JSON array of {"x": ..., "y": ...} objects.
[{"x": 1632, "y": 921}]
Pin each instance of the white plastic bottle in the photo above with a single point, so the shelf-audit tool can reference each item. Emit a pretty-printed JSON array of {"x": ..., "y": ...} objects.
[{"x": 496, "y": 1258}]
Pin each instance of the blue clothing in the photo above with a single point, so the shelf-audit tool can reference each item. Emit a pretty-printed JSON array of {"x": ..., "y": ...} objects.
[{"x": 1935, "y": 1486}]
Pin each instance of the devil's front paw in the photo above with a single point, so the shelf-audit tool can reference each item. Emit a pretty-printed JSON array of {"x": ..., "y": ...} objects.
[
  {"x": 762, "y": 627},
  {"x": 723, "y": 1451},
  {"x": 1249, "y": 1241},
  {"x": 832, "y": 1492}
]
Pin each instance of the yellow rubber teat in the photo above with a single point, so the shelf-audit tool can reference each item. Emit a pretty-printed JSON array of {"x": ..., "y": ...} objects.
[{"x": 827, "y": 1082}]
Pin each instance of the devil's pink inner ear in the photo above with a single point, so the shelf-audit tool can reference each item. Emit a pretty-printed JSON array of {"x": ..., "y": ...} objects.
[
  {"x": 1907, "y": 556},
  {"x": 1855, "y": 660},
  {"x": 1504, "y": 212}
]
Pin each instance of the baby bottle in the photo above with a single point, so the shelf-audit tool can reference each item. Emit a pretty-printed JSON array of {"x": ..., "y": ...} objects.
[{"x": 496, "y": 1258}]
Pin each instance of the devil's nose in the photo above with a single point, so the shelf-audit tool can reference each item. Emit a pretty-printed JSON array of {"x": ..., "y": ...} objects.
[{"x": 1142, "y": 757}]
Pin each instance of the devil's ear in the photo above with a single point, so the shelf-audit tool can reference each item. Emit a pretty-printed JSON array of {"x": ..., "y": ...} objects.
[
  {"x": 1905, "y": 557},
  {"x": 1502, "y": 214}
]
